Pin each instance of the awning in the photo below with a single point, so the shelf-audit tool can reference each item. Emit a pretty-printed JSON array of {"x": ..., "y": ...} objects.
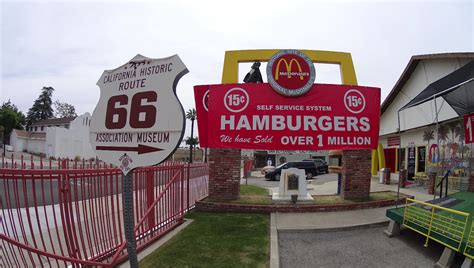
[{"x": 457, "y": 88}]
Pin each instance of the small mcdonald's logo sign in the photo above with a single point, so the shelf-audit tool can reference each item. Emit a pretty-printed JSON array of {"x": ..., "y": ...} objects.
[{"x": 291, "y": 72}]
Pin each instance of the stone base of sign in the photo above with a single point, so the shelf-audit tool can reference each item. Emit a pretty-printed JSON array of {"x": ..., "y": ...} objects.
[
  {"x": 224, "y": 174},
  {"x": 356, "y": 174},
  {"x": 292, "y": 185},
  {"x": 278, "y": 199}
]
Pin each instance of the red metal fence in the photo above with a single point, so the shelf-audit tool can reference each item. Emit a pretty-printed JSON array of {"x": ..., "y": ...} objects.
[{"x": 73, "y": 216}]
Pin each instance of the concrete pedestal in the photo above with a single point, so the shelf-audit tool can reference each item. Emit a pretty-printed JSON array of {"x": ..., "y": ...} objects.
[
  {"x": 292, "y": 183},
  {"x": 393, "y": 229},
  {"x": 468, "y": 263},
  {"x": 446, "y": 258}
]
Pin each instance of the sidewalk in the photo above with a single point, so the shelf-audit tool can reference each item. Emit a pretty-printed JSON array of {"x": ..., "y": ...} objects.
[
  {"x": 327, "y": 185},
  {"x": 330, "y": 220}
]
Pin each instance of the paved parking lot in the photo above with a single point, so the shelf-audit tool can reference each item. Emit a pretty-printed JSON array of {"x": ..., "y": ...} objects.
[
  {"x": 259, "y": 180},
  {"x": 356, "y": 248}
]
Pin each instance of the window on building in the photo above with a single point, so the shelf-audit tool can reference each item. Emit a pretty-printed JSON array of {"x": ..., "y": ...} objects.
[
  {"x": 66, "y": 126},
  {"x": 421, "y": 158},
  {"x": 42, "y": 128},
  {"x": 36, "y": 128}
]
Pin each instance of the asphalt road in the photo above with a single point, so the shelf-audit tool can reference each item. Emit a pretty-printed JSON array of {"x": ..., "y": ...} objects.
[
  {"x": 47, "y": 191},
  {"x": 356, "y": 248}
]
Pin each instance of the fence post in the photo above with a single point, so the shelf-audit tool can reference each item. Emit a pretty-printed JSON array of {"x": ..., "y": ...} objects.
[
  {"x": 150, "y": 198},
  {"x": 66, "y": 213},
  {"x": 182, "y": 192},
  {"x": 187, "y": 186}
]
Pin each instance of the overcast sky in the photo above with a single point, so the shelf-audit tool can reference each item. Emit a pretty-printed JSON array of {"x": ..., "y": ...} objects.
[{"x": 68, "y": 44}]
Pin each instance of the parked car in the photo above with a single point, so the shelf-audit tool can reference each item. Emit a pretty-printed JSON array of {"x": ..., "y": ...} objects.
[
  {"x": 321, "y": 164},
  {"x": 267, "y": 169},
  {"x": 309, "y": 167}
]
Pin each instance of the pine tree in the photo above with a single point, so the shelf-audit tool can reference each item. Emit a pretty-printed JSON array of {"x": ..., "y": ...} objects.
[{"x": 42, "y": 107}]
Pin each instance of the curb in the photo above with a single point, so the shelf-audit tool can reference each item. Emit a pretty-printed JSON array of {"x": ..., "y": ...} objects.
[
  {"x": 335, "y": 229},
  {"x": 150, "y": 249},
  {"x": 274, "y": 255},
  {"x": 216, "y": 206}
]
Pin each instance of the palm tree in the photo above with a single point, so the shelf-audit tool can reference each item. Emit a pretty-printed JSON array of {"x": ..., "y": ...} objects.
[
  {"x": 192, "y": 141},
  {"x": 428, "y": 135},
  {"x": 442, "y": 137},
  {"x": 455, "y": 130},
  {"x": 191, "y": 115}
]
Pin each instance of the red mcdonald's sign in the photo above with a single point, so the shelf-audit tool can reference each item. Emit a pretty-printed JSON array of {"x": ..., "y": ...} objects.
[{"x": 254, "y": 116}]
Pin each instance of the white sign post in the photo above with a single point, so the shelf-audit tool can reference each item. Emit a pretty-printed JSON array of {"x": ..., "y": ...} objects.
[{"x": 138, "y": 121}]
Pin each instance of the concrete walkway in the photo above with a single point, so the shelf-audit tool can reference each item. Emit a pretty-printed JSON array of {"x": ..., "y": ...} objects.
[
  {"x": 326, "y": 185},
  {"x": 328, "y": 221}
]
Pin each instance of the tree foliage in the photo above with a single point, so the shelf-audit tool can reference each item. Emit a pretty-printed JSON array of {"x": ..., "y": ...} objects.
[
  {"x": 428, "y": 135},
  {"x": 12, "y": 107},
  {"x": 191, "y": 114},
  {"x": 192, "y": 141},
  {"x": 10, "y": 118},
  {"x": 63, "y": 109},
  {"x": 42, "y": 107}
]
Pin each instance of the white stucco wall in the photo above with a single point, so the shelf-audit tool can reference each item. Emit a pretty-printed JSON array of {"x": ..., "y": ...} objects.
[
  {"x": 425, "y": 73},
  {"x": 410, "y": 137},
  {"x": 36, "y": 146},
  {"x": 17, "y": 143},
  {"x": 72, "y": 142}
]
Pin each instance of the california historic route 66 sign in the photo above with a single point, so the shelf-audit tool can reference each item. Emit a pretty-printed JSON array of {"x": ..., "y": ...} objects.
[{"x": 139, "y": 120}]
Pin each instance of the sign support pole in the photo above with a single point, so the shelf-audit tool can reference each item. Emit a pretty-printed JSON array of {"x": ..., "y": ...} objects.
[
  {"x": 115, "y": 133},
  {"x": 129, "y": 225}
]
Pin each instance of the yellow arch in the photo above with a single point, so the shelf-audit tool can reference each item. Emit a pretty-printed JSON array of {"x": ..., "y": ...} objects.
[
  {"x": 374, "y": 167},
  {"x": 288, "y": 68},
  {"x": 381, "y": 156},
  {"x": 232, "y": 59}
]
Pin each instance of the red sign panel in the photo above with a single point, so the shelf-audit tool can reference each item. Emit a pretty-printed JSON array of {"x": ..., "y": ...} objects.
[
  {"x": 469, "y": 128},
  {"x": 254, "y": 116},
  {"x": 393, "y": 141},
  {"x": 201, "y": 97}
]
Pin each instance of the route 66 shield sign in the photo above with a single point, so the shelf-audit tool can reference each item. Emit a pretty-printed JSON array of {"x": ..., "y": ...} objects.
[{"x": 139, "y": 120}]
